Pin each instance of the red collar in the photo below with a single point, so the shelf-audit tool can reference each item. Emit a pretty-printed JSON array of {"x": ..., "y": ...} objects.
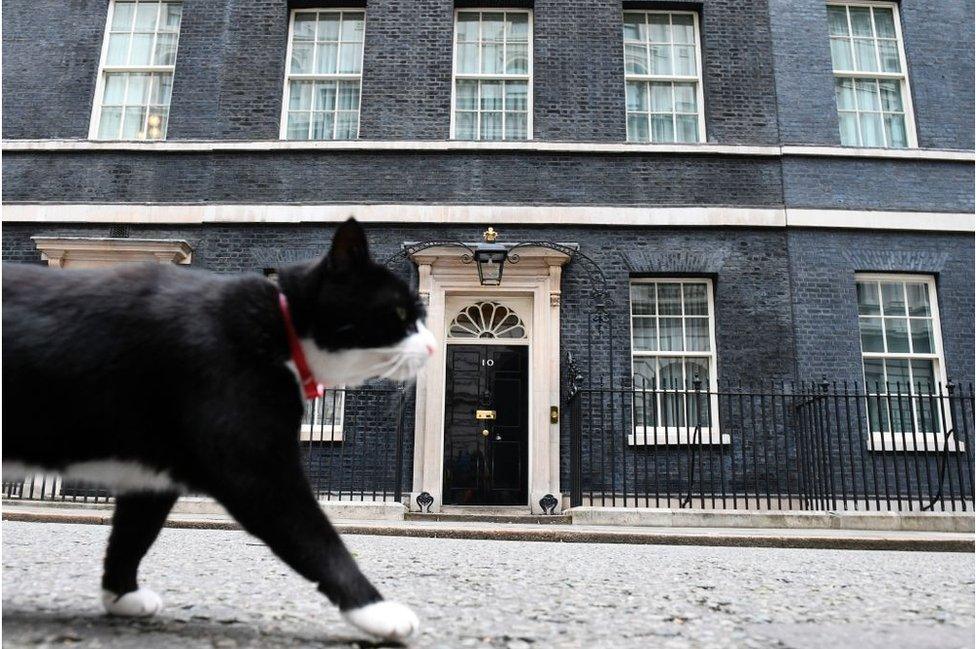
[{"x": 311, "y": 388}]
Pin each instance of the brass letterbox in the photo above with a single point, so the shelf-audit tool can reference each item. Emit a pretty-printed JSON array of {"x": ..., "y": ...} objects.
[{"x": 484, "y": 414}]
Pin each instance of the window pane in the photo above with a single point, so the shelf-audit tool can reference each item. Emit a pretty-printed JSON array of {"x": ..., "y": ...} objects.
[
  {"x": 923, "y": 377},
  {"x": 642, "y": 299},
  {"x": 884, "y": 23},
  {"x": 324, "y": 97},
  {"x": 110, "y": 122},
  {"x": 348, "y": 95},
  {"x": 871, "y": 339},
  {"x": 518, "y": 27},
  {"x": 864, "y": 55},
  {"x": 300, "y": 95},
  {"x": 492, "y": 26},
  {"x": 659, "y": 30},
  {"x": 328, "y": 29},
  {"x": 888, "y": 51},
  {"x": 156, "y": 123},
  {"x": 683, "y": 28},
  {"x": 696, "y": 299},
  {"x": 467, "y": 95},
  {"x": 516, "y": 126},
  {"x": 114, "y": 89},
  {"x": 637, "y": 128},
  {"x": 861, "y": 21},
  {"x": 868, "y": 301},
  {"x": 669, "y": 298},
  {"x": 141, "y": 52},
  {"x": 922, "y": 336},
  {"x": 347, "y": 123},
  {"x": 350, "y": 58},
  {"x": 491, "y": 95},
  {"x": 918, "y": 299},
  {"x": 896, "y": 333},
  {"x": 893, "y": 298},
  {"x": 635, "y": 59},
  {"x": 696, "y": 367},
  {"x": 684, "y": 61},
  {"x": 467, "y": 58},
  {"x": 466, "y": 126},
  {"x": 890, "y": 96},
  {"x": 118, "y": 49},
  {"x": 165, "y": 50},
  {"x": 671, "y": 335},
  {"x": 301, "y": 58},
  {"x": 636, "y": 96},
  {"x": 670, "y": 373},
  {"x": 304, "y": 27},
  {"x": 661, "y": 97},
  {"x": 516, "y": 96},
  {"x": 685, "y": 100},
  {"x": 897, "y": 374},
  {"x": 327, "y": 57},
  {"x": 492, "y": 58},
  {"x": 297, "y": 126},
  {"x": 696, "y": 334},
  {"x": 687, "y": 128},
  {"x": 133, "y": 124},
  {"x": 661, "y": 59},
  {"x": 633, "y": 27},
  {"x": 662, "y": 128},
  {"x": 868, "y": 97},
  {"x": 645, "y": 334},
  {"x": 122, "y": 16},
  {"x": 645, "y": 372},
  {"x": 517, "y": 58},
  {"x": 491, "y": 126},
  {"x": 895, "y": 131},
  {"x": 467, "y": 27},
  {"x": 352, "y": 27},
  {"x": 872, "y": 130},
  {"x": 146, "y": 13},
  {"x": 844, "y": 91},
  {"x": 322, "y": 126},
  {"x": 874, "y": 375},
  {"x": 840, "y": 54},
  {"x": 162, "y": 89},
  {"x": 848, "y": 129},
  {"x": 837, "y": 20},
  {"x": 138, "y": 90}
]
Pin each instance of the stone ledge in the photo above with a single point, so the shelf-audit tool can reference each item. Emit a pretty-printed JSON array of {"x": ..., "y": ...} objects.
[{"x": 959, "y": 522}]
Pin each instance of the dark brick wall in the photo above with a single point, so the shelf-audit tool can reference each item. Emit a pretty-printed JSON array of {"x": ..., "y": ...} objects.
[
  {"x": 314, "y": 176},
  {"x": 50, "y": 62},
  {"x": 823, "y": 264},
  {"x": 939, "y": 48},
  {"x": 858, "y": 183}
]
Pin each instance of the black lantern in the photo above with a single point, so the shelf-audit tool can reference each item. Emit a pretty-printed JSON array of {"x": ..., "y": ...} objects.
[{"x": 490, "y": 257}]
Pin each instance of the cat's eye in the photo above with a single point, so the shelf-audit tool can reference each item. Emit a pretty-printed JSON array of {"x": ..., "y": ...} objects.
[{"x": 401, "y": 313}]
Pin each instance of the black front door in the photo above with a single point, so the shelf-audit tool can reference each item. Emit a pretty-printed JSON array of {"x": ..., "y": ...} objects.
[{"x": 486, "y": 448}]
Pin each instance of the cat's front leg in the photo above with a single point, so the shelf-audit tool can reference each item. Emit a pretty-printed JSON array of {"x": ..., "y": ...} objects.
[
  {"x": 136, "y": 523},
  {"x": 279, "y": 509}
]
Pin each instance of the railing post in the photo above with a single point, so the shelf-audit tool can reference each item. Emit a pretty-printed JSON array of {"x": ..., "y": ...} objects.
[
  {"x": 398, "y": 469},
  {"x": 575, "y": 452}
]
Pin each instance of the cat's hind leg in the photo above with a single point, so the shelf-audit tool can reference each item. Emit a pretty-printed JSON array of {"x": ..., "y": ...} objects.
[{"x": 136, "y": 523}]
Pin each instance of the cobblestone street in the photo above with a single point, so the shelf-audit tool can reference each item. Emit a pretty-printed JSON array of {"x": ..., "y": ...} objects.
[{"x": 224, "y": 589}]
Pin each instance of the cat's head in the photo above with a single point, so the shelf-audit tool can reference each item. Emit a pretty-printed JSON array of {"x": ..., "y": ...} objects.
[{"x": 357, "y": 320}]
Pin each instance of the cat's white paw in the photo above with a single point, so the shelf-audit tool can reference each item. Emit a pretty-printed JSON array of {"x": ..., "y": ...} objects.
[
  {"x": 386, "y": 620},
  {"x": 138, "y": 603}
]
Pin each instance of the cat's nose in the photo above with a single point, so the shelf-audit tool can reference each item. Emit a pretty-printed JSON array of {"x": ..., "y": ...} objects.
[{"x": 431, "y": 349}]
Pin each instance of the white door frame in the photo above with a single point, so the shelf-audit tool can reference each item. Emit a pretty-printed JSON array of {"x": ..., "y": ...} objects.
[{"x": 538, "y": 277}]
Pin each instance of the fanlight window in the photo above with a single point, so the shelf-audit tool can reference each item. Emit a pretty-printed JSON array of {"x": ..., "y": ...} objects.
[{"x": 487, "y": 320}]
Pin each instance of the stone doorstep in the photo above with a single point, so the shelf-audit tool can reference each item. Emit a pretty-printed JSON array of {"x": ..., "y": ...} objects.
[{"x": 959, "y": 522}]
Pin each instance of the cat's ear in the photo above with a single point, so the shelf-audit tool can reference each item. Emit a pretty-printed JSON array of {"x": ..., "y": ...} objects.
[{"x": 349, "y": 247}]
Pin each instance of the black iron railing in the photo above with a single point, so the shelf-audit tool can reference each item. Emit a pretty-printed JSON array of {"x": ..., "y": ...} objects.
[
  {"x": 809, "y": 446},
  {"x": 352, "y": 442}
]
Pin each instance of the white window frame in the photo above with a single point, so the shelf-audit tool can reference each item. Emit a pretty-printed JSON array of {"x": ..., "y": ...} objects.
[
  {"x": 901, "y": 77},
  {"x": 697, "y": 80},
  {"x": 679, "y": 435},
  {"x": 326, "y": 433},
  {"x": 918, "y": 441},
  {"x": 313, "y": 76},
  {"x": 528, "y": 78},
  {"x": 103, "y": 69}
]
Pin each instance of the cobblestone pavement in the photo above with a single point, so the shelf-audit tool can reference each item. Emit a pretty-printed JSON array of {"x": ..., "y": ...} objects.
[{"x": 224, "y": 589}]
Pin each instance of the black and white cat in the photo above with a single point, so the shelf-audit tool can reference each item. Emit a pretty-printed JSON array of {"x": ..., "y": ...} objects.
[{"x": 154, "y": 379}]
